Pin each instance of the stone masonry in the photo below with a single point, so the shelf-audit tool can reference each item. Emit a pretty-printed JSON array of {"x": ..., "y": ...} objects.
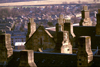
[
  {"x": 31, "y": 28},
  {"x": 98, "y": 23},
  {"x": 68, "y": 26},
  {"x": 61, "y": 21},
  {"x": 27, "y": 58},
  {"x": 66, "y": 44},
  {"x": 84, "y": 55},
  {"x": 41, "y": 39},
  {"x": 6, "y": 50},
  {"x": 65, "y": 36},
  {"x": 85, "y": 20}
]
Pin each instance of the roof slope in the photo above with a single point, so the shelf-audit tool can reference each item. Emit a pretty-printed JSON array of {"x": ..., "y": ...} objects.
[{"x": 47, "y": 60}]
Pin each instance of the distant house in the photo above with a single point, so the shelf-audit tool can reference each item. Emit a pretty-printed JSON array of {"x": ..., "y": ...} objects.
[
  {"x": 17, "y": 36},
  {"x": 41, "y": 38},
  {"x": 19, "y": 45}
]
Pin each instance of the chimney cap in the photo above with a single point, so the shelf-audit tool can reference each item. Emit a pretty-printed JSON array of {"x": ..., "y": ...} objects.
[
  {"x": 85, "y": 7},
  {"x": 31, "y": 20},
  {"x": 61, "y": 16}
]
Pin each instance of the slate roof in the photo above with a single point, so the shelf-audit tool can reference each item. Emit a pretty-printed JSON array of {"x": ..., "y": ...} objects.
[
  {"x": 84, "y": 30},
  {"x": 46, "y": 31},
  {"x": 96, "y": 61},
  {"x": 79, "y": 30},
  {"x": 52, "y": 59},
  {"x": 88, "y": 31},
  {"x": 47, "y": 60}
]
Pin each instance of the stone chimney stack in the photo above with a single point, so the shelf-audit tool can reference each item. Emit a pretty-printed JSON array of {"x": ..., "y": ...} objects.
[
  {"x": 61, "y": 21},
  {"x": 63, "y": 44},
  {"x": 66, "y": 44},
  {"x": 59, "y": 41},
  {"x": 6, "y": 50},
  {"x": 68, "y": 26},
  {"x": 84, "y": 55},
  {"x": 58, "y": 28},
  {"x": 85, "y": 21},
  {"x": 31, "y": 28},
  {"x": 85, "y": 12},
  {"x": 27, "y": 59},
  {"x": 98, "y": 23}
]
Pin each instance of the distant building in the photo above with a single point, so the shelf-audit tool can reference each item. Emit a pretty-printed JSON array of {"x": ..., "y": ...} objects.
[
  {"x": 19, "y": 45},
  {"x": 17, "y": 36},
  {"x": 55, "y": 48}
]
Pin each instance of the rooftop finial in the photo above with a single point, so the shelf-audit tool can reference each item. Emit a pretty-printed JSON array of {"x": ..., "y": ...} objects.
[
  {"x": 85, "y": 7},
  {"x": 98, "y": 10}
]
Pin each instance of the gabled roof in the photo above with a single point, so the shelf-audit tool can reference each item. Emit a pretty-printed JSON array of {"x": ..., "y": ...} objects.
[{"x": 46, "y": 31}]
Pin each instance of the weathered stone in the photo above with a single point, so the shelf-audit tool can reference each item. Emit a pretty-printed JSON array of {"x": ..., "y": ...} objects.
[
  {"x": 61, "y": 21},
  {"x": 27, "y": 59},
  {"x": 63, "y": 44},
  {"x": 85, "y": 21},
  {"x": 58, "y": 28},
  {"x": 67, "y": 20},
  {"x": 6, "y": 50},
  {"x": 66, "y": 44},
  {"x": 31, "y": 28},
  {"x": 69, "y": 27},
  {"x": 98, "y": 23},
  {"x": 40, "y": 39},
  {"x": 85, "y": 8},
  {"x": 84, "y": 55},
  {"x": 98, "y": 11}
]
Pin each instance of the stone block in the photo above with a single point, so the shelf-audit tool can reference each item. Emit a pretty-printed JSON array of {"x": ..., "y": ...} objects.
[
  {"x": 85, "y": 21},
  {"x": 27, "y": 59},
  {"x": 84, "y": 55},
  {"x": 98, "y": 11},
  {"x": 67, "y": 26},
  {"x": 98, "y": 23},
  {"x": 85, "y": 8},
  {"x": 6, "y": 50}
]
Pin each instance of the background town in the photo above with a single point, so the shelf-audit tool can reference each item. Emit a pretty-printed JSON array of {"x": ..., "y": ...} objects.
[{"x": 14, "y": 19}]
